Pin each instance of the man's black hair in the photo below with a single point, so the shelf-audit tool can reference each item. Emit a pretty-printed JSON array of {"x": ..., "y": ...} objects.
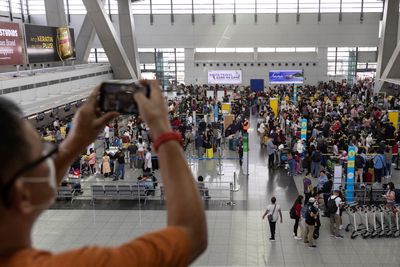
[{"x": 13, "y": 142}]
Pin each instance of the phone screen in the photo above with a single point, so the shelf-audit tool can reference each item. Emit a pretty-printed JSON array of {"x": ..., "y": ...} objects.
[{"x": 118, "y": 97}]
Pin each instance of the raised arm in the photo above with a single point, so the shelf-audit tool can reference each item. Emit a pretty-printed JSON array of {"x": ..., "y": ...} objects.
[
  {"x": 88, "y": 122},
  {"x": 184, "y": 206}
]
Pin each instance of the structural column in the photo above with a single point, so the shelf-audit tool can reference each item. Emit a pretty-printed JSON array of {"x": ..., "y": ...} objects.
[
  {"x": 388, "y": 40},
  {"x": 127, "y": 33},
  {"x": 55, "y": 13},
  {"x": 110, "y": 40},
  {"x": 85, "y": 40}
]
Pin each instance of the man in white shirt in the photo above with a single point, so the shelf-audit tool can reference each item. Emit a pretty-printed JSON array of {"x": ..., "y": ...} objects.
[
  {"x": 107, "y": 137},
  {"x": 147, "y": 161},
  {"x": 335, "y": 202},
  {"x": 272, "y": 212}
]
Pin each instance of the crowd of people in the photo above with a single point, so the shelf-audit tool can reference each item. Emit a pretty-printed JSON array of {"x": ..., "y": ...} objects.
[{"x": 338, "y": 116}]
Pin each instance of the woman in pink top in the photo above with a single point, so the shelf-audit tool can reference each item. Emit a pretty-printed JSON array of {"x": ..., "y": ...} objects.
[{"x": 92, "y": 161}]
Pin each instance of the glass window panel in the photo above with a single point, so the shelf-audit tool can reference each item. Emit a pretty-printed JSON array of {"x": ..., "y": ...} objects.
[
  {"x": 182, "y": 6},
  {"x": 308, "y": 6},
  {"x": 287, "y": 6},
  {"x": 266, "y": 6},
  {"x": 353, "y": 6},
  {"x": 224, "y": 6},
  {"x": 203, "y": 6},
  {"x": 224, "y": 50},
  {"x": 330, "y": 6},
  {"x": 145, "y": 49},
  {"x": 306, "y": 49},
  {"x": 16, "y": 7},
  {"x": 205, "y": 50},
  {"x": 373, "y": 6},
  {"x": 245, "y": 6},
  {"x": 245, "y": 50},
  {"x": 142, "y": 7},
  {"x": 266, "y": 49},
  {"x": 161, "y": 6},
  {"x": 4, "y": 6},
  {"x": 362, "y": 49},
  {"x": 285, "y": 49}
]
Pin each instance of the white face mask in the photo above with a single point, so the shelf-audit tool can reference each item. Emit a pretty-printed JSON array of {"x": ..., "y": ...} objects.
[{"x": 51, "y": 179}]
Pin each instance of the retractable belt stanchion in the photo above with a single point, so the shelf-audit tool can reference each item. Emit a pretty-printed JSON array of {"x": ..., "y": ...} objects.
[
  {"x": 219, "y": 164},
  {"x": 235, "y": 189},
  {"x": 231, "y": 202}
]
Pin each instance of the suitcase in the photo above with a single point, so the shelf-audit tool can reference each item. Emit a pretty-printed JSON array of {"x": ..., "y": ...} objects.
[
  {"x": 139, "y": 164},
  {"x": 154, "y": 163},
  {"x": 210, "y": 153},
  {"x": 232, "y": 144}
]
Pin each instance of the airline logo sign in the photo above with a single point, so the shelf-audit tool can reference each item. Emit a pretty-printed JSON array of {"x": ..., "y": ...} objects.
[
  {"x": 304, "y": 129},
  {"x": 351, "y": 159}
]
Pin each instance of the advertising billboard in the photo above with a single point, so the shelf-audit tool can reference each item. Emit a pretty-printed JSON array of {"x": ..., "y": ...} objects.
[
  {"x": 10, "y": 44},
  {"x": 286, "y": 76},
  {"x": 47, "y": 44},
  {"x": 224, "y": 76}
]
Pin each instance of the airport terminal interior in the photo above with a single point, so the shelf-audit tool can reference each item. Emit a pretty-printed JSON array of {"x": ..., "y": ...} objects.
[{"x": 296, "y": 100}]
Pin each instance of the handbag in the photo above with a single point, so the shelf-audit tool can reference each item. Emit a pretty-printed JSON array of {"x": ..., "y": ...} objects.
[{"x": 271, "y": 216}]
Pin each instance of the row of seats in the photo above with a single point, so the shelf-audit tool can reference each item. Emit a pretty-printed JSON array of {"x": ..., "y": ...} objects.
[{"x": 129, "y": 192}]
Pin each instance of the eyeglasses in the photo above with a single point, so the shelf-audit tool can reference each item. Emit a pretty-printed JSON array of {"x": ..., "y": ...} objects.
[{"x": 49, "y": 150}]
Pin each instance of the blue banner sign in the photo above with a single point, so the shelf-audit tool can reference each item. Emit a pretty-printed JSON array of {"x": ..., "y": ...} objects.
[
  {"x": 294, "y": 94},
  {"x": 351, "y": 158},
  {"x": 286, "y": 76},
  {"x": 303, "y": 129}
]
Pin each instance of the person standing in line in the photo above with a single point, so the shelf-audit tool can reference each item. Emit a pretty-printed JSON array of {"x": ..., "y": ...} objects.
[
  {"x": 120, "y": 158},
  {"x": 106, "y": 165},
  {"x": 132, "y": 149},
  {"x": 270, "y": 152},
  {"x": 297, "y": 206},
  {"x": 92, "y": 161},
  {"x": 307, "y": 187},
  {"x": 147, "y": 167},
  {"x": 333, "y": 206},
  {"x": 107, "y": 137},
  {"x": 272, "y": 214},
  {"x": 310, "y": 221},
  {"x": 379, "y": 165},
  {"x": 240, "y": 151}
]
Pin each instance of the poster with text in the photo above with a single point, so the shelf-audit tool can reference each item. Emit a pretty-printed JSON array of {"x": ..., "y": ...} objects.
[
  {"x": 10, "y": 44},
  {"x": 48, "y": 44},
  {"x": 286, "y": 76},
  {"x": 224, "y": 76}
]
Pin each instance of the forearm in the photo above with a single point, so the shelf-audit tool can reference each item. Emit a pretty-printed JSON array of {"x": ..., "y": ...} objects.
[{"x": 184, "y": 205}]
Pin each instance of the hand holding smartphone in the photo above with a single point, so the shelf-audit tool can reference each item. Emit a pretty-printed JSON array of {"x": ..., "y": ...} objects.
[{"x": 118, "y": 96}]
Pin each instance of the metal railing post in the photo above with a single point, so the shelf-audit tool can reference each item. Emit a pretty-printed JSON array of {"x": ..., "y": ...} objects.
[
  {"x": 231, "y": 202},
  {"x": 235, "y": 189},
  {"x": 219, "y": 164}
]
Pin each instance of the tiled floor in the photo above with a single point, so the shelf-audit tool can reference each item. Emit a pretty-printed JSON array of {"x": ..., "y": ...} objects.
[
  {"x": 236, "y": 238},
  {"x": 237, "y": 235}
]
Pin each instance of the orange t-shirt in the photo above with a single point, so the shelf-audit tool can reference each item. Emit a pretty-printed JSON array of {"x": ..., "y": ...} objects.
[{"x": 168, "y": 247}]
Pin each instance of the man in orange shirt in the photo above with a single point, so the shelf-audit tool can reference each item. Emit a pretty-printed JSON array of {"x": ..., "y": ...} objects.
[{"x": 31, "y": 172}]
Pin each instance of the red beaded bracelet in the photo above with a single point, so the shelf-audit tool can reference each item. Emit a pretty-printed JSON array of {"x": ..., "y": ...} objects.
[{"x": 165, "y": 137}]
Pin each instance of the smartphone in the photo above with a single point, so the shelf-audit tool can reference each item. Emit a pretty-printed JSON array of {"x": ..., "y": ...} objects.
[{"x": 118, "y": 96}]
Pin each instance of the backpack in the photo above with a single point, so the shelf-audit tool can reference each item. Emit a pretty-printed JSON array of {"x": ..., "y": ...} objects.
[
  {"x": 359, "y": 162},
  {"x": 317, "y": 156},
  {"x": 292, "y": 213},
  {"x": 331, "y": 206}
]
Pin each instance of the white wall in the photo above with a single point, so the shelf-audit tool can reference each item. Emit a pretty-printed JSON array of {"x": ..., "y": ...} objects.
[
  {"x": 198, "y": 74},
  {"x": 245, "y": 33}
]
